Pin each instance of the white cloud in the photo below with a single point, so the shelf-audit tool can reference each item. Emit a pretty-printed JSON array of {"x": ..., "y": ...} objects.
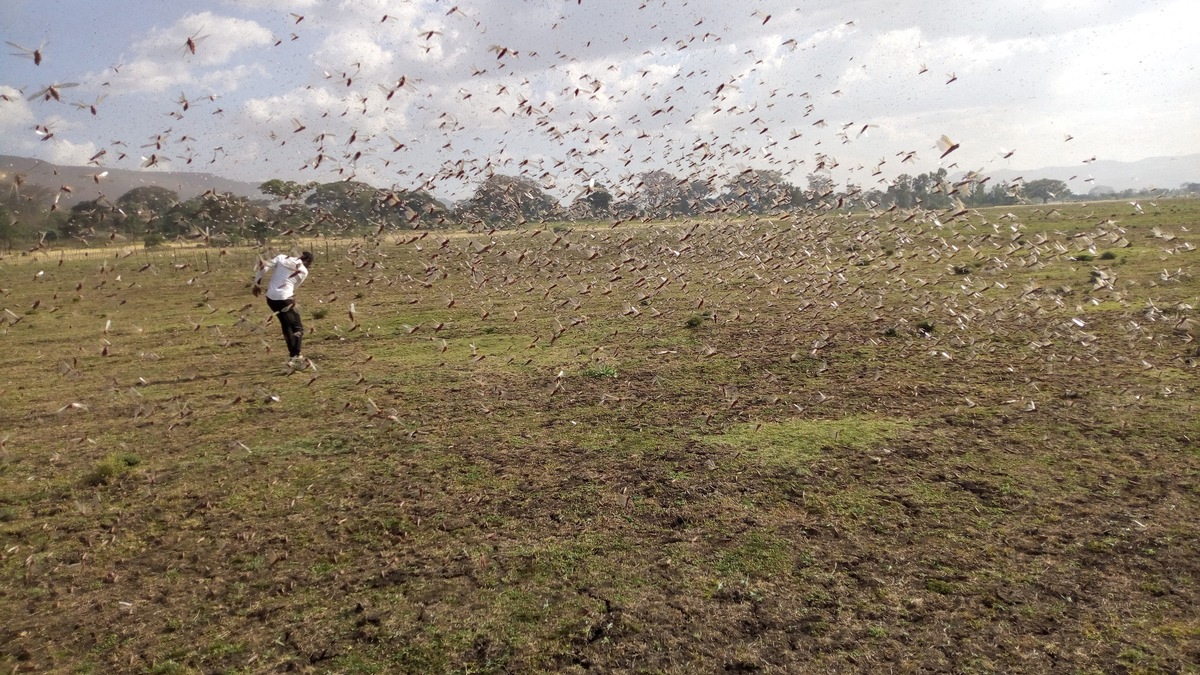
[
  {"x": 66, "y": 153},
  {"x": 150, "y": 76},
  {"x": 202, "y": 39},
  {"x": 281, "y": 5},
  {"x": 719, "y": 76},
  {"x": 305, "y": 104},
  {"x": 1070, "y": 5},
  {"x": 15, "y": 111},
  {"x": 230, "y": 79},
  {"x": 164, "y": 60},
  {"x": 355, "y": 54}
]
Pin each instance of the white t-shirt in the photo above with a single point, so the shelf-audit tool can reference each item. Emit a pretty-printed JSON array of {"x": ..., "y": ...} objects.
[{"x": 287, "y": 273}]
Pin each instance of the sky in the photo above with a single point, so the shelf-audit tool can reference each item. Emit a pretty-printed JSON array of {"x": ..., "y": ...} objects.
[{"x": 437, "y": 95}]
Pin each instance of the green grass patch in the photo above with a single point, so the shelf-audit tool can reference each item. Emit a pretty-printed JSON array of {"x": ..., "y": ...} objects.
[
  {"x": 110, "y": 469},
  {"x": 321, "y": 445},
  {"x": 759, "y": 555},
  {"x": 600, "y": 370},
  {"x": 795, "y": 443}
]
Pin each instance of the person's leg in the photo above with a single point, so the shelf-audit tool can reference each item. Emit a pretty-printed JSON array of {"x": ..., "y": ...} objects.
[
  {"x": 296, "y": 326},
  {"x": 285, "y": 311}
]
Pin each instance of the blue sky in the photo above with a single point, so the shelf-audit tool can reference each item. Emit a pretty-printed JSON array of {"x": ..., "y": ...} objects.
[{"x": 565, "y": 91}]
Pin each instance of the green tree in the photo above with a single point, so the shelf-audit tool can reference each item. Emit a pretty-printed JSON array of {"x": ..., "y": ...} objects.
[
  {"x": 143, "y": 208},
  {"x": 345, "y": 205},
  {"x": 86, "y": 217},
  {"x": 288, "y": 215},
  {"x": 502, "y": 199},
  {"x": 181, "y": 218},
  {"x": 356, "y": 206},
  {"x": 8, "y": 228},
  {"x": 699, "y": 194},
  {"x": 598, "y": 199},
  {"x": 819, "y": 186},
  {"x": 998, "y": 195},
  {"x": 929, "y": 190},
  {"x": 406, "y": 208},
  {"x": 287, "y": 190},
  {"x": 216, "y": 214},
  {"x": 594, "y": 202},
  {"x": 28, "y": 207},
  {"x": 874, "y": 198},
  {"x": 1046, "y": 189},
  {"x": 658, "y": 194},
  {"x": 900, "y": 192},
  {"x": 761, "y": 191}
]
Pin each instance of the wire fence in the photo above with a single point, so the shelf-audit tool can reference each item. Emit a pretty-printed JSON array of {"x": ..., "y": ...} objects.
[{"x": 197, "y": 256}]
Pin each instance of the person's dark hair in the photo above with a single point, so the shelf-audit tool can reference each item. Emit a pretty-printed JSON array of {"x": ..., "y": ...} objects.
[{"x": 306, "y": 258}]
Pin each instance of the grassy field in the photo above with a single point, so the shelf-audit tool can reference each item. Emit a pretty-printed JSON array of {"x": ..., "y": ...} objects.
[{"x": 856, "y": 444}]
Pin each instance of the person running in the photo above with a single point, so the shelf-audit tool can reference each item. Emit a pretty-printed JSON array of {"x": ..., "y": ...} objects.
[{"x": 285, "y": 276}]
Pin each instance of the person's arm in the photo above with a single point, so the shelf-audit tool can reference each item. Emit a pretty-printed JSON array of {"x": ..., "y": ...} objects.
[{"x": 263, "y": 268}]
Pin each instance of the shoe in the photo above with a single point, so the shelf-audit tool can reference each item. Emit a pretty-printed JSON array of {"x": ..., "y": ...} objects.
[{"x": 297, "y": 363}]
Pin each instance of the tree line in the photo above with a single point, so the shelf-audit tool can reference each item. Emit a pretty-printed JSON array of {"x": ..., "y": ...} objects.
[{"x": 287, "y": 207}]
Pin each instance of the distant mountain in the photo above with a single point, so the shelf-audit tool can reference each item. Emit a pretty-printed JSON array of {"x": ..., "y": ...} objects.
[
  {"x": 1150, "y": 173},
  {"x": 119, "y": 181},
  {"x": 1144, "y": 174}
]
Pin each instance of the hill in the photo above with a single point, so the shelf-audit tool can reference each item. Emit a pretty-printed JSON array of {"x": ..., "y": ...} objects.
[
  {"x": 1150, "y": 173},
  {"x": 1145, "y": 174},
  {"x": 119, "y": 181}
]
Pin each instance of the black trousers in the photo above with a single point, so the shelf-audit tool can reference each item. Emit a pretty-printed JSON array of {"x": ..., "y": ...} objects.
[{"x": 289, "y": 319}]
